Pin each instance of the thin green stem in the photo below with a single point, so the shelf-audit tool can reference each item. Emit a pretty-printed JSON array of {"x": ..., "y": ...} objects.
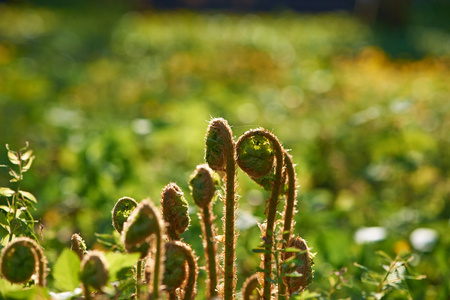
[
  {"x": 138, "y": 278},
  {"x": 14, "y": 202}
]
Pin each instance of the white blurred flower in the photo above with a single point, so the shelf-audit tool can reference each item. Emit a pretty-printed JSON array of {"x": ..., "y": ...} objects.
[
  {"x": 370, "y": 235},
  {"x": 423, "y": 239}
]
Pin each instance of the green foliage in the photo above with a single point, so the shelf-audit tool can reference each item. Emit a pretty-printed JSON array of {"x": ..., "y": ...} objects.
[
  {"x": 126, "y": 114},
  {"x": 15, "y": 218},
  {"x": 65, "y": 271}
]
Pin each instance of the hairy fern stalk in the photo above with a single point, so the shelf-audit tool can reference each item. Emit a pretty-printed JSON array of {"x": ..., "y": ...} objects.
[{"x": 166, "y": 266}]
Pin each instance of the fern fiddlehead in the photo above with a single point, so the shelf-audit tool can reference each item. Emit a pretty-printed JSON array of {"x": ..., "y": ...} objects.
[
  {"x": 22, "y": 258},
  {"x": 220, "y": 155},
  {"x": 257, "y": 150},
  {"x": 202, "y": 190}
]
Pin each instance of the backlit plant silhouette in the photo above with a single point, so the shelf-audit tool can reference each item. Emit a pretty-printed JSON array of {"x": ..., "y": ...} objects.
[{"x": 148, "y": 251}]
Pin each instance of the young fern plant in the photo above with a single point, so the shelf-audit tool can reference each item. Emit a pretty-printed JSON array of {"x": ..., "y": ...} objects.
[
  {"x": 257, "y": 152},
  {"x": 94, "y": 273},
  {"x": 22, "y": 258},
  {"x": 176, "y": 279},
  {"x": 174, "y": 211},
  {"x": 203, "y": 189},
  {"x": 144, "y": 222},
  {"x": 220, "y": 154}
]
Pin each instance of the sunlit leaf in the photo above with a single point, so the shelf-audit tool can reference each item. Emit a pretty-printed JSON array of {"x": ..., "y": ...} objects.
[
  {"x": 13, "y": 174},
  {"x": 28, "y": 196},
  {"x": 26, "y": 155},
  {"x": 13, "y": 157},
  {"x": 28, "y": 164},
  {"x": 65, "y": 271},
  {"x": 7, "y": 192}
]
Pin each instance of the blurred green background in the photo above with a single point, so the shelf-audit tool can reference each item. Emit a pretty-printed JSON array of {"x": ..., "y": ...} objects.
[{"x": 115, "y": 101}]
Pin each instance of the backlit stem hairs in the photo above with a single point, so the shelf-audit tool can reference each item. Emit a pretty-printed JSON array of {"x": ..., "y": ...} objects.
[
  {"x": 289, "y": 211},
  {"x": 221, "y": 157},
  {"x": 203, "y": 189},
  {"x": 271, "y": 204},
  {"x": 78, "y": 245}
]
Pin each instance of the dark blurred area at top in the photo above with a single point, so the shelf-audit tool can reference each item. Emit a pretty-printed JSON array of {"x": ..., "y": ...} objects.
[{"x": 390, "y": 19}]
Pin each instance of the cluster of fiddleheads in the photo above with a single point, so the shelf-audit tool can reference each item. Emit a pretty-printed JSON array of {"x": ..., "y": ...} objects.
[{"x": 167, "y": 266}]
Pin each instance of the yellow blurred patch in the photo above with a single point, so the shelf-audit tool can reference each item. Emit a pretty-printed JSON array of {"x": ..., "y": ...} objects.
[{"x": 402, "y": 246}]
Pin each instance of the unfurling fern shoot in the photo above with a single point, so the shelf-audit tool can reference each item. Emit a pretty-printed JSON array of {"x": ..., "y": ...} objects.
[
  {"x": 22, "y": 258},
  {"x": 94, "y": 272},
  {"x": 121, "y": 211},
  {"x": 256, "y": 152},
  {"x": 177, "y": 255},
  {"x": 78, "y": 245},
  {"x": 299, "y": 261},
  {"x": 174, "y": 210},
  {"x": 220, "y": 155},
  {"x": 144, "y": 222},
  {"x": 203, "y": 189}
]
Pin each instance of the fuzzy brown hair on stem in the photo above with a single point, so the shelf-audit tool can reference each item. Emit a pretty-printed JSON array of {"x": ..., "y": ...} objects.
[
  {"x": 289, "y": 211},
  {"x": 220, "y": 155},
  {"x": 78, "y": 245},
  {"x": 203, "y": 189},
  {"x": 254, "y": 149}
]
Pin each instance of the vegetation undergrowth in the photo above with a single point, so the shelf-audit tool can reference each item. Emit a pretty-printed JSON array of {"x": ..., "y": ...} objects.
[{"x": 147, "y": 259}]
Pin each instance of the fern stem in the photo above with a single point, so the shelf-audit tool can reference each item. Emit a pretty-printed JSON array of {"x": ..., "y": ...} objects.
[
  {"x": 271, "y": 207},
  {"x": 138, "y": 278},
  {"x": 221, "y": 157},
  {"x": 210, "y": 250}
]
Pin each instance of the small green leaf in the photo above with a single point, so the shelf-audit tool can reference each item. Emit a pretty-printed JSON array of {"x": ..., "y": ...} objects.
[
  {"x": 13, "y": 157},
  {"x": 294, "y": 274},
  {"x": 65, "y": 271},
  {"x": 119, "y": 261},
  {"x": 26, "y": 155},
  {"x": 3, "y": 231},
  {"x": 3, "y": 219},
  {"x": 28, "y": 164},
  {"x": 28, "y": 196},
  {"x": 259, "y": 250},
  {"x": 7, "y": 192},
  {"x": 293, "y": 249},
  {"x": 14, "y": 174},
  {"x": 7, "y": 209}
]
